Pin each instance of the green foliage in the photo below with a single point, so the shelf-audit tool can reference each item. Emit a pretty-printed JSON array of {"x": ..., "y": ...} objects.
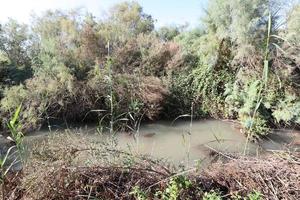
[
  {"x": 255, "y": 196},
  {"x": 244, "y": 22},
  {"x": 255, "y": 126},
  {"x": 14, "y": 39},
  {"x": 239, "y": 65},
  {"x": 168, "y": 33},
  {"x": 251, "y": 98},
  {"x": 39, "y": 100},
  {"x": 210, "y": 77},
  {"x": 181, "y": 96},
  {"x": 175, "y": 187},
  {"x": 190, "y": 41},
  {"x": 4, "y": 67},
  {"x": 14, "y": 128},
  {"x": 13, "y": 97},
  {"x": 125, "y": 20},
  {"x": 14, "y": 53},
  {"x": 212, "y": 195},
  {"x": 138, "y": 193},
  {"x": 64, "y": 43},
  {"x": 288, "y": 110},
  {"x": 12, "y": 156},
  {"x": 242, "y": 101}
]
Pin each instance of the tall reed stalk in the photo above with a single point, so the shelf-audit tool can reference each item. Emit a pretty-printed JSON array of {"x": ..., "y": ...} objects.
[
  {"x": 264, "y": 79},
  {"x": 111, "y": 101}
]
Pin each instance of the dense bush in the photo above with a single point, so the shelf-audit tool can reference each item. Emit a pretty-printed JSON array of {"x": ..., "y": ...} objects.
[{"x": 240, "y": 64}]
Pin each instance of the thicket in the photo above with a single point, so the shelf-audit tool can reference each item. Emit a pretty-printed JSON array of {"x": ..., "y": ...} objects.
[{"x": 241, "y": 63}]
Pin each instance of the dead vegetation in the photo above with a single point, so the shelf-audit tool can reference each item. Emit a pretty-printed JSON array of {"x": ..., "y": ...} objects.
[
  {"x": 113, "y": 174},
  {"x": 276, "y": 177}
]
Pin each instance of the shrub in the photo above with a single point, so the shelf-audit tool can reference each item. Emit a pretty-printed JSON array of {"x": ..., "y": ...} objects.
[
  {"x": 181, "y": 96},
  {"x": 174, "y": 188},
  {"x": 148, "y": 56},
  {"x": 288, "y": 110},
  {"x": 210, "y": 77},
  {"x": 242, "y": 101},
  {"x": 212, "y": 195}
]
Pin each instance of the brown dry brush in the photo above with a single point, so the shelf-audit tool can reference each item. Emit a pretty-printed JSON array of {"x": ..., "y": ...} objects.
[
  {"x": 97, "y": 182},
  {"x": 112, "y": 182},
  {"x": 275, "y": 177},
  {"x": 52, "y": 172},
  {"x": 77, "y": 102}
]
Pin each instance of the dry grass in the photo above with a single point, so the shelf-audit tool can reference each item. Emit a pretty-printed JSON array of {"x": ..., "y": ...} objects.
[
  {"x": 114, "y": 173},
  {"x": 276, "y": 177}
]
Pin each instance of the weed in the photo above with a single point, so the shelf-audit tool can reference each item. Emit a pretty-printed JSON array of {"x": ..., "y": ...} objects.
[
  {"x": 138, "y": 193},
  {"x": 255, "y": 196},
  {"x": 212, "y": 195},
  {"x": 14, "y": 128},
  {"x": 175, "y": 186},
  {"x": 12, "y": 157}
]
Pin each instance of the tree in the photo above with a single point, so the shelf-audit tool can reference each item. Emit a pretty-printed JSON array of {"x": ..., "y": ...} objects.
[
  {"x": 14, "y": 42},
  {"x": 58, "y": 41},
  {"x": 130, "y": 17},
  {"x": 92, "y": 49},
  {"x": 4, "y": 64},
  {"x": 244, "y": 23},
  {"x": 126, "y": 20},
  {"x": 14, "y": 49},
  {"x": 168, "y": 33}
]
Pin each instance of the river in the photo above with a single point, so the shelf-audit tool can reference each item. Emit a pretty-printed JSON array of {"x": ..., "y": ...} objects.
[{"x": 183, "y": 142}]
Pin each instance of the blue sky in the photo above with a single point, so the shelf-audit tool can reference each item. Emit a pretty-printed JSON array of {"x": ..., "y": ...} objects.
[{"x": 166, "y": 12}]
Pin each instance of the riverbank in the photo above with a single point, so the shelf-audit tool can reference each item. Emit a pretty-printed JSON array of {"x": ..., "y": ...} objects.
[
  {"x": 271, "y": 178},
  {"x": 74, "y": 168}
]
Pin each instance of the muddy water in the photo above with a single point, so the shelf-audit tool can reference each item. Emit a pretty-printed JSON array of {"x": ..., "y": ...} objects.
[{"x": 184, "y": 143}]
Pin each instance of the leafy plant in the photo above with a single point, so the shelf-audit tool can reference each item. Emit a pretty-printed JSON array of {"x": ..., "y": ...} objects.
[
  {"x": 242, "y": 102},
  {"x": 14, "y": 127},
  {"x": 254, "y": 196},
  {"x": 138, "y": 193},
  {"x": 174, "y": 187},
  {"x": 288, "y": 110},
  {"x": 212, "y": 195},
  {"x": 12, "y": 157}
]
